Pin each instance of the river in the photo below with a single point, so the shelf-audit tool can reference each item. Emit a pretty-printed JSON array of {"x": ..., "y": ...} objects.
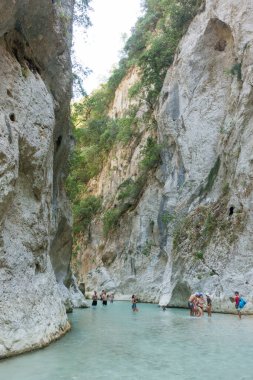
[{"x": 111, "y": 342}]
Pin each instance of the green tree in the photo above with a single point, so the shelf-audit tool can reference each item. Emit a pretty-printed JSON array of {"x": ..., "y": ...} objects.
[
  {"x": 81, "y": 17},
  {"x": 151, "y": 155},
  {"x": 85, "y": 211},
  {"x": 154, "y": 40}
]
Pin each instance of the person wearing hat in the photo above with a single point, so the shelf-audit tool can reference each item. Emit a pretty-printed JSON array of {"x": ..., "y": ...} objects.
[{"x": 208, "y": 305}]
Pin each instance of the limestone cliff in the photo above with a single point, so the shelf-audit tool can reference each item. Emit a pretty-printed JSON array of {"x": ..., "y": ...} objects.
[
  {"x": 35, "y": 221},
  {"x": 191, "y": 228}
]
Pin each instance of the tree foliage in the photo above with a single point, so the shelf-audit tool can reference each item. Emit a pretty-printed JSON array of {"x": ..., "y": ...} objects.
[
  {"x": 151, "y": 155},
  {"x": 95, "y": 134},
  {"x": 155, "y": 37},
  {"x": 84, "y": 211},
  {"x": 79, "y": 73},
  {"x": 81, "y": 17}
]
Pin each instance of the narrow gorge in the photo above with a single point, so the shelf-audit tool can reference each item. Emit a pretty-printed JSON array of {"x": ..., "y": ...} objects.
[{"x": 157, "y": 167}]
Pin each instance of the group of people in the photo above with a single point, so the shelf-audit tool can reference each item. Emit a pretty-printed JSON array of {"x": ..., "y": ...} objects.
[
  {"x": 197, "y": 302},
  {"x": 110, "y": 297},
  {"x": 102, "y": 297}
]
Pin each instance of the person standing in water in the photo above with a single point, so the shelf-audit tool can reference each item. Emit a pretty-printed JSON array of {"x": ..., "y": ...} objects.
[
  {"x": 236, "y": 301},
  {"x": 208, "y": 305},
  {"x": 104, "y": 298},
  {"x": 134, "y": 301},
  {"x": 240, "y": 302},
  {"x": 94, "y": 299},
  {"x": 200, "y": 305},
  {"x": 191, "y": 303},
  {"x": 111, "y": 298}
]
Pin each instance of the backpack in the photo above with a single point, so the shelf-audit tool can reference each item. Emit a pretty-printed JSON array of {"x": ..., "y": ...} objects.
[{"x": 242, "y": 303}]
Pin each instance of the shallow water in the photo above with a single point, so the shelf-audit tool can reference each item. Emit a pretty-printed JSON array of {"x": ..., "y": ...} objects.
[{"x": 111, "y": 342}]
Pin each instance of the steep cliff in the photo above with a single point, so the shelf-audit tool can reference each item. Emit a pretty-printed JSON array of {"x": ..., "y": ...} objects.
[
  {"x": 189, "y": 228},
  {"x": 35, "y": 221}
]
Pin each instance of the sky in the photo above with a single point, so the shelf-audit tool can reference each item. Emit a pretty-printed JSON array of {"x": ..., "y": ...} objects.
[{"x": 99, "y": 49}]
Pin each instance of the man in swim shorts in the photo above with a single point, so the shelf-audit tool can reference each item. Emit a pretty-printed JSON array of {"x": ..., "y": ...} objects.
[
  {"x": 104, "y": 298},
  {"x": 94, "y": 299}
]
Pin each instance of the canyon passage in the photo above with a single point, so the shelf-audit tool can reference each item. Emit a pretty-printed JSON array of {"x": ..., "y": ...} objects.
[{"x": 142, "y": 187}]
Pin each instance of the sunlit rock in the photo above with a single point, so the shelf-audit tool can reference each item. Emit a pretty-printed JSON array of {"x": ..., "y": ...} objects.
[{"x": 191, "y": 228}]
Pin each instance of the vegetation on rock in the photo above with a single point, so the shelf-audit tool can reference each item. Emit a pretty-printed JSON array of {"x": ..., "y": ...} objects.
[
  {"x": 131, "y": 190},
  {"x": 211, "y": 178},
  {"x": 151, "y": 48},
  {"x": 84, "y": 211},
  {"x": 154, "y": 40},
  {"x": 193, "y": 232}
]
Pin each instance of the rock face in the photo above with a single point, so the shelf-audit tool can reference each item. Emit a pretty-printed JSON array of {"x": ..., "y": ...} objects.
[
  {"x": 35, "y": 221},
  {"x": 192, "y": 227}
]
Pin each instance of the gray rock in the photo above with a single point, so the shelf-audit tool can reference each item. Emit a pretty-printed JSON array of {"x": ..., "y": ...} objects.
[
  {"x": 192, "y": 227},
  {"x": 35, "y": 221}
]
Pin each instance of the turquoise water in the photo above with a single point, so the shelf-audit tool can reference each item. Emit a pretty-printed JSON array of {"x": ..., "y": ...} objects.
[{"x": 112, "y": 342}]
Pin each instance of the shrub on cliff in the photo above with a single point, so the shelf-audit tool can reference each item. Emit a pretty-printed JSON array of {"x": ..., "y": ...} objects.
[
  {"x": 151, "y": 155},
  {"x": 154, "y": 40},
  {"x": 110, "y": 220},
  {"x": 84, "y": 211}
]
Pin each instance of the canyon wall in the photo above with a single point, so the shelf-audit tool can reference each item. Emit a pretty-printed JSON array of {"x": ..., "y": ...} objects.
[
  {"x": 35, "y": 219},
  {"x": 191, "y": 229}
]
